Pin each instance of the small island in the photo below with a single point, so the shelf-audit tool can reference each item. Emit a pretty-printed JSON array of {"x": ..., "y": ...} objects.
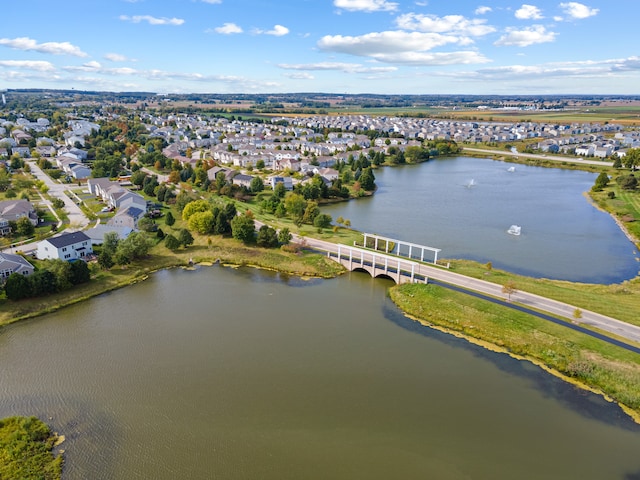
[{"x": 26, "y": 450}]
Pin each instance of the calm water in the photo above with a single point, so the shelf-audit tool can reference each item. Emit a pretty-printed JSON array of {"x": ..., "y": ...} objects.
[
  {"x": 464, "y": 206},
  {"x": 242, "y": 374}
]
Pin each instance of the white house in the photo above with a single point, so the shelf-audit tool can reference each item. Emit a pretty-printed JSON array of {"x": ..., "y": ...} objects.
[{"x": 68, "y": 246}]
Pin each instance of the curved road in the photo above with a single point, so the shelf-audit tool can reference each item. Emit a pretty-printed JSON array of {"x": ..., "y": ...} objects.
[
  {"x": 583, "y": 161},
  {"x": 530, "y": 300},
  {"x": 77, "y": 219}
]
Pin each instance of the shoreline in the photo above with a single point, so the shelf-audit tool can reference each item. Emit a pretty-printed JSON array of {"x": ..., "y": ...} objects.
[{"x": 492, "y": 347}]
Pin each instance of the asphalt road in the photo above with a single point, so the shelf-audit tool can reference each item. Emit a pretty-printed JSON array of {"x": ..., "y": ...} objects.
[
  {"x": 77, "y": 219},
  {"x": 529, "y": 300},
  {"x": 584, "y": 161}
]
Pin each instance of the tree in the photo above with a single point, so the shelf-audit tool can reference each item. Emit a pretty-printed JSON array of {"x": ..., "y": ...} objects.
[
  {"x": 195, "y": 207},
  {"x": 79, "y": 272},
  {"x": 601, "y": 181},
  {"x": 185, "y": 238},
  {"x": 17, "y": 287},
  {"x": 577, "y": 315},
  {"x": 256, "y": 185},
  {"x": 367, "y": 179},
  {"x": 267, "y": 237},
  {"x": 110, "y": 242},
  {"x": 416, "y": 154},
  {"x": 322, "y": 220},
  {"x": 284, "y": 236},
  {"x": 138, "y": 177},
  {"x": 243, "y": 228},
  {"x": 171, "y": 242},
  {"x": 632, "y": 158},
  {"x": 509, "y": 289},
  {"x": 202, "y": 222},
  {"x": 168, "y": 219},
  {"x": 627, "y": 182},
  {"x": 57, "y": 203},
  {"x": 25, "y": 227},
  {"x": 105, "y": 260},
  {"x": 295, "y": 205},
  {"x": 311, "y": 212}
]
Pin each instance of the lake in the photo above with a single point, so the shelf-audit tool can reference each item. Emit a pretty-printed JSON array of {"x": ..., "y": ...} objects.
[
  {"x": 465, "y": 206},
  {"x": 244, "y": 374}
]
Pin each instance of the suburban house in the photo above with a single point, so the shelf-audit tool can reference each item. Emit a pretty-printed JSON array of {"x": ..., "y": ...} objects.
[
  {"x": 10, "y": 263},
  {"x": 127, "y": 217},
  {"x": 96, "y": 234},
  {"x": 12, "y": 210},
  {"x": 242, "y": 180},
  {"x": 115, "y": 195},
  {"x": 286, "y": 181},
  {"x": 68, "y": 246}
]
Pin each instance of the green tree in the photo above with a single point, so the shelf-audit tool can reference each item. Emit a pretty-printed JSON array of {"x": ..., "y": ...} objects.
[
  {"x": 79, "y": 272},
  {"x": 284, "y": 236},
  {"x": 414, "y": 154},
  {"x": 24, "y": 227},
  {"x": 256, "y": 185},
  {"x": 202, "y": 222},
  {"x": 267, "y": 237},
  {"x": 185, "y": 238},
  {"x": 194, "y": 207},
  {"x": 279, "y": 191},
  {"x": 105, "y": 260},
  {"x": 17, "y": 287},
  {"x": 110, "y": 242},
  {"x": 367, "y": 179},
  {"x": 632, "y": 158},
  {"x": 295, "y": 205},
  {"x": 243, "y": 228},
  {"x": 322, "y": 220},
  {"x": 171, "y": 242},
  {"x": 601, "y": 181},
  {"x": 169, "y": 219},
  {"x": 311, "y": 212}
]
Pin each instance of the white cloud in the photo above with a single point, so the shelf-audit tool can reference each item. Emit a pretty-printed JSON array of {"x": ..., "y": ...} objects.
[
  {"x": 336, "y": 66},
  {"x": 228, "y": 29},
  {"x": 276, "y": 31},
  {"x": 366, "y": 5},
  {"x": 456, "y": 24},
  {"x": 54, "y": 48},
  {"x": 528, "y": 36},
  {"x": 577, "y": 10},
  {"x": 385, "y": 42},
  {"x": 115, "y": 57},
  {"x": 482, "y": 10},
  {"x": 212, "y": 2},
  {"x": 37, "y": 65},
  {"x": 405, "y": 48},
  {"x": 152, "y": 20},
  {"x": 299, "y": 76},
  {"x": 528, "y": 12}
]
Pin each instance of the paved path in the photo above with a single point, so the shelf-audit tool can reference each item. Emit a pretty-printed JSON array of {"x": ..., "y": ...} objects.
[
  {"x": 536, "y": 302},
  {"x": 584, "y": 161}
]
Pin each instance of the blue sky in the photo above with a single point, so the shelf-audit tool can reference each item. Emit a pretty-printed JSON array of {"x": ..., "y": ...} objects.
[{"x": 333, "y": 46}]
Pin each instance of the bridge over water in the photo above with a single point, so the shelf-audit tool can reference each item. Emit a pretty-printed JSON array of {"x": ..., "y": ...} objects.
[
  {"x": 378, "y": 264},
  {"x": 402, "y": 270}
]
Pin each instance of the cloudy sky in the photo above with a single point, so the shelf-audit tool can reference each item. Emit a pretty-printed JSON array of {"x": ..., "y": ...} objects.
[{"x": 333, "y": 46}]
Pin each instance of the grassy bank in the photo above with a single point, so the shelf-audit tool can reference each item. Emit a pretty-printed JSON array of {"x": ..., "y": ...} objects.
[
  {"x": 26, "y": 446},
  {"x": 576, "y": 357}
]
